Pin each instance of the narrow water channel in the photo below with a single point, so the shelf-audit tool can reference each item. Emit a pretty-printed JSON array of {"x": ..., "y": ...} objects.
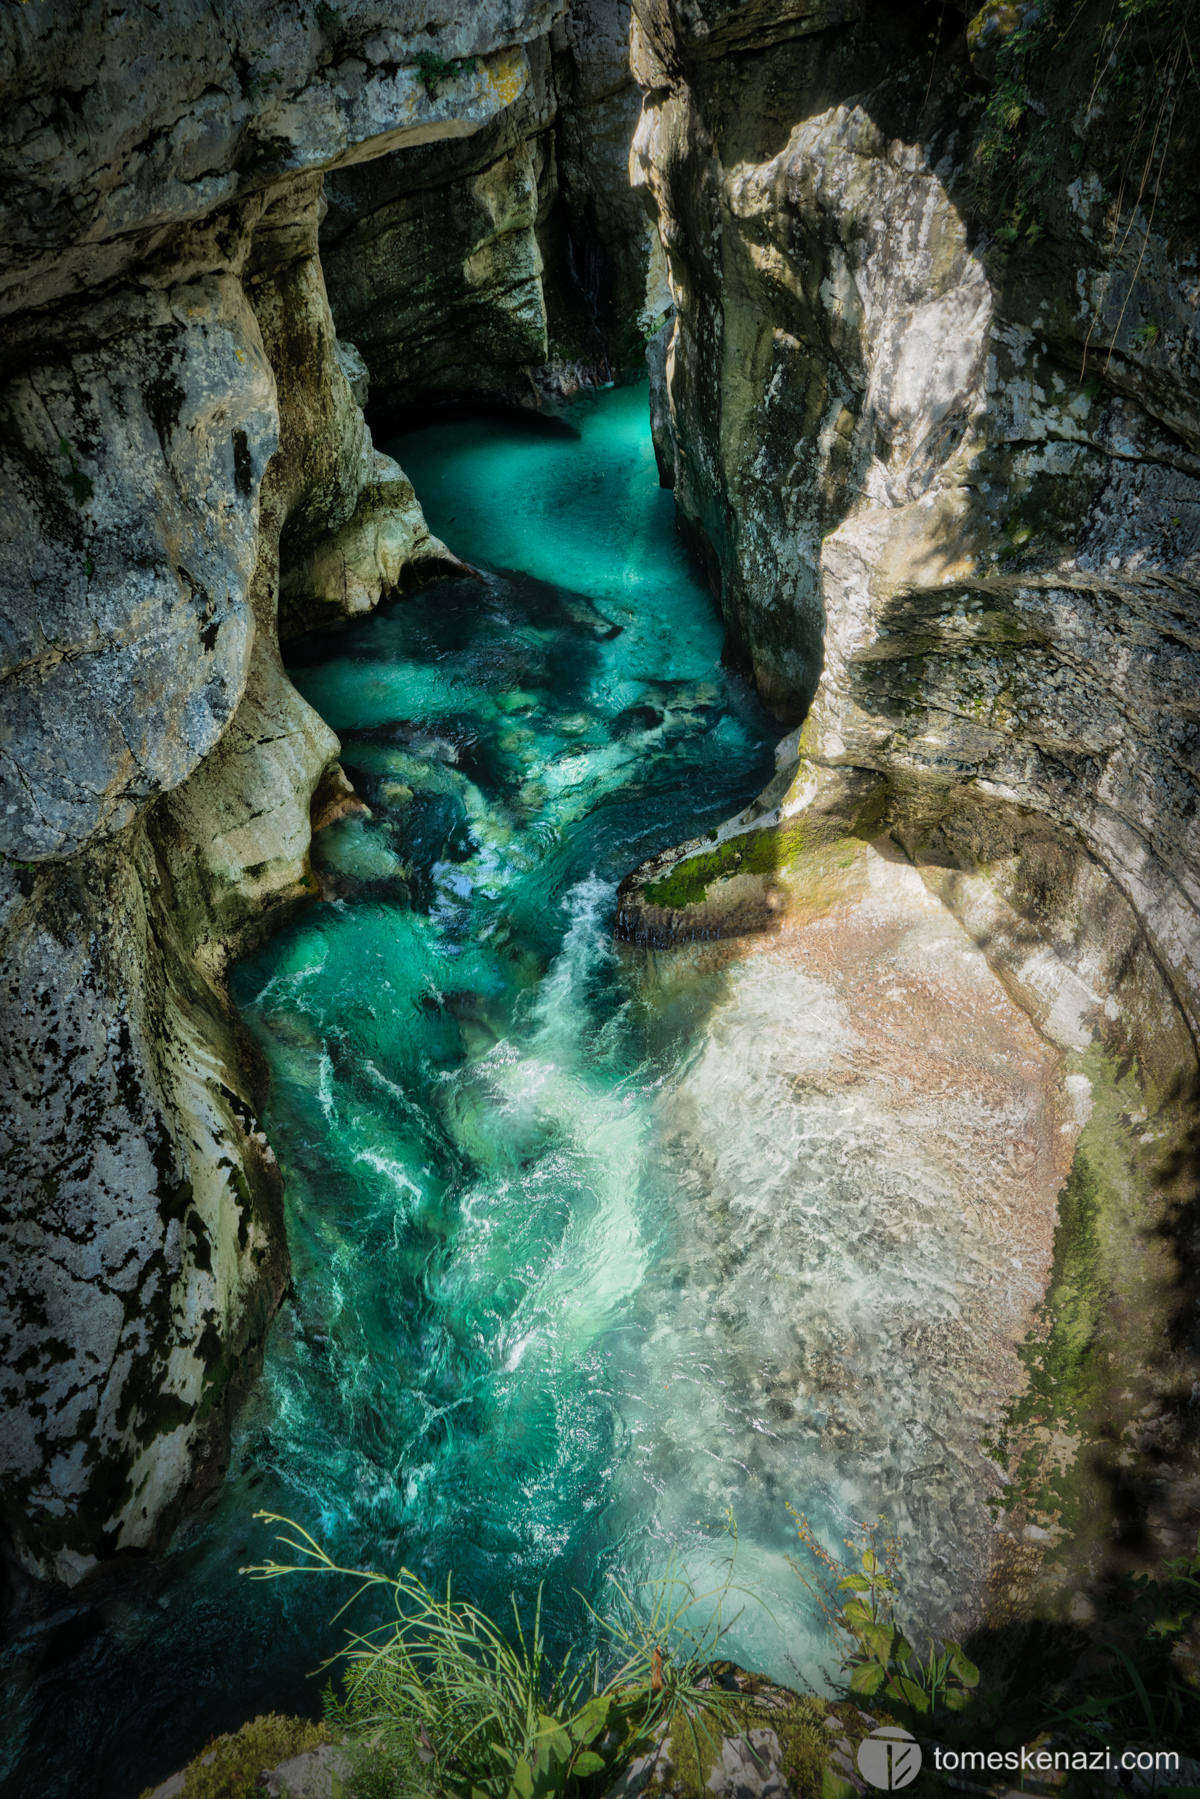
[
  {"x": 493, "y": 1362},
  {"x": 502, "y": 1361}
]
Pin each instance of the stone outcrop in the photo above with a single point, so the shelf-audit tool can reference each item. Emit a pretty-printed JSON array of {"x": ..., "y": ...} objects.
[
  {"x": 942, "y": 482},
  {"x": 512, "y": 262},
  {"x": 929, "y": 402},
  {"x": 184, "y": 459},
  {"x": 434, "y": 260}
]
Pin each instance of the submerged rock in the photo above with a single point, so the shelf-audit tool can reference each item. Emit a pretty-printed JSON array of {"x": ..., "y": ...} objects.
[{"x": 874, "y": 1138}]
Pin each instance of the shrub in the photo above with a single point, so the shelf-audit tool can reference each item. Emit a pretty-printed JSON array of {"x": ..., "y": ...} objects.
[
  {"x": 433, "y": 69},
  {"x": 878, "y": 1660}
]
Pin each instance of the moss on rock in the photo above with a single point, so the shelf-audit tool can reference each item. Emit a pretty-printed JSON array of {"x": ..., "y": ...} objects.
[
  {"x": 232, "y": 1766},
  {"x": 799, "y": 1721},
  {"x": 1097, "y": 1413},
  {"x": 751, "y": 852}
]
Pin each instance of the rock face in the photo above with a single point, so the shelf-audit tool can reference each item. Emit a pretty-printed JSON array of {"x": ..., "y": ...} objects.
[
  {"x": 923, "y": 434},
  {"x": 930, "y": 402},
  {"x": 185, "y": 460},
  {"x": 434, "y": 261},
  {"x": 512, "y": 261},
  {"x": 125, "y": 125}
]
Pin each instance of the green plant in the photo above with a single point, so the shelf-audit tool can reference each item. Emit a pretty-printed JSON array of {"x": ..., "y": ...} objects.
[
  {"x": 1154, "y": 1696},
  {"x": 878, "y": 1660},
  {"x": 329, "y": 19},
  {"x": 77, "y": 479},
  {"x": 1110, "y": 82},
  {"x": 1063, "y": 1359},
  {"x": 433, "y": 69},
  {"x": 463, "y": 1709}
]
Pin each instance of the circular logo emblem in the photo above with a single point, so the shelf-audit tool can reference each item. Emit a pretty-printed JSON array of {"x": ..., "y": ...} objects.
[{"x": 889, "y": 1757}]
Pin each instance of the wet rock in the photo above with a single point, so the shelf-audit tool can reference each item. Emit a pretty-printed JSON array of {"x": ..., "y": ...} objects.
[
  {"x": 749, "y": 1768},
  {"x": 654, "y": 1766},
  {"x": 320, "y": 1774},
  {"x": 637, "y": 719}
]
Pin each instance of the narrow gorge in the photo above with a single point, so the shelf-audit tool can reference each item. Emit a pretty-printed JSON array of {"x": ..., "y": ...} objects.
[{"x": 590, "y": 970}]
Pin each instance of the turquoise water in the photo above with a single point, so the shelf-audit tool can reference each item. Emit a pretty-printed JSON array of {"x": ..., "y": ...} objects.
[
  {"x": 503, "y": 1355},
  {"x": 466, "y": 1074}
]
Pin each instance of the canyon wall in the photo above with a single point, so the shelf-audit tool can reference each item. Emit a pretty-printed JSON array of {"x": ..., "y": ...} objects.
[
  {"x": 929, "y": 397},
  {"x": 185, "y": 461},
  {"x": 930, "y": 404},
  {"x": 931, "y": 410},
  {"x": 514, "y": 262}
]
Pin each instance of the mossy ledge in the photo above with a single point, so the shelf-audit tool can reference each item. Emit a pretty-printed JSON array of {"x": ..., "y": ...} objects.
[
  {"x": 233, "y": 1766},
  {"x": 763, "y": 867},
  {"x": 1107, "y": 1408}
]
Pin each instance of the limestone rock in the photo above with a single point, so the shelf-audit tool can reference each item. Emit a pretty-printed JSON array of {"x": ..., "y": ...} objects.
[
  {"x": 183, "y": 442},
  {"x": 749, "y": 1768},
  {"x": 433, "y": 261},
  {"x": 913, "y": 506},
  {"x": 320, "y": 1774},
  {"x": 384, "y": 539},
  {"x": 178, "y": 111},
  {"x": 141, "y": 1213},
  {"x": 355, "y": 370},
  {"x": 514, "y": 262},
  {"x": 614, "y": 247},
  {"x": 129, "y": 482}
]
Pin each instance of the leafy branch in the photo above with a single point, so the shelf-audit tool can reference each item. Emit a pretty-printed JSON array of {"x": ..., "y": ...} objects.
[{"x": 878, "y": 1659}]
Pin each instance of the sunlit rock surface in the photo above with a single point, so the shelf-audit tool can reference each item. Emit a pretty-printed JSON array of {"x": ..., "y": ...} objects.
[
  {"x": 937, "y": 447},
  {"x": 177, "y": 112},
  {"x": 916, "y": 501}
]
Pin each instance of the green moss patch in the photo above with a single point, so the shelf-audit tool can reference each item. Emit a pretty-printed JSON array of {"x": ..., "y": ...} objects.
[
  {"x": 1097, "y": 1353},
  {"x": 1063, "y": 1375},
  {"x": 798, "y": 1720},
  {"x": 812, "y": 861},
  {"x": 761, "y": 852},
  {"x": 230, "y": 1767}
]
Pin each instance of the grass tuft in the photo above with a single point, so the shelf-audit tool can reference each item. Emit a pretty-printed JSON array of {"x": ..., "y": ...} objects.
[{"x": 444, "y": 1701}]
